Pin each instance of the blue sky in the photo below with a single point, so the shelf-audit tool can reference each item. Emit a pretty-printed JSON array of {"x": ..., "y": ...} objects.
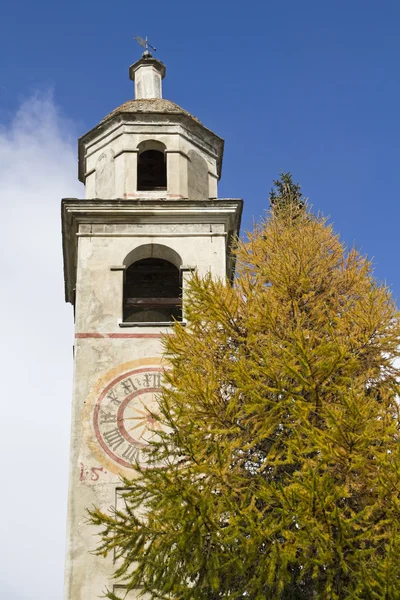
[{"x": 309, "y": 87}]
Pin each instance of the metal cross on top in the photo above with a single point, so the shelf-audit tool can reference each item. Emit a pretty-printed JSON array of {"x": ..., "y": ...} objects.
[{"x": 144, "y": 43}]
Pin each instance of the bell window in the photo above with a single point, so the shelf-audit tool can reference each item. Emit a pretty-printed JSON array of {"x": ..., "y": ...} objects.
[
  {"x": 152, "y": 292},
  {"x": 152, "y": 170}
]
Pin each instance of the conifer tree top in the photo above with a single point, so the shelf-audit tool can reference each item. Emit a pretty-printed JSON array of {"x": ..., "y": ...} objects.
[{"x": 286, "y": 193}]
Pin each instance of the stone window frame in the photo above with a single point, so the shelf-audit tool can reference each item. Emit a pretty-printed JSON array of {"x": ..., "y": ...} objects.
[{"x": 153, "y": 250}]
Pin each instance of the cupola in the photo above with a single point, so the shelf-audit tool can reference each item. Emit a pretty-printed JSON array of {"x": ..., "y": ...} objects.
[{"x": 150, "y": 147}]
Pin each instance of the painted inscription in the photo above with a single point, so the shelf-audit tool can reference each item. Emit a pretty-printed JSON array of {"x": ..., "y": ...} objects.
[
  {"x": 90, "y": 473},
  {"x": 122, "y": 418}
]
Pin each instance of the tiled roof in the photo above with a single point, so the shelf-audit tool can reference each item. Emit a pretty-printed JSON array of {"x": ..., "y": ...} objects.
[{"x": 150, "y": 105}]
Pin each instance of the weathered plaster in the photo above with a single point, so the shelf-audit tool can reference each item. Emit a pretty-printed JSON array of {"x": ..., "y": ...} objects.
[{"x": 117, "y": 365}]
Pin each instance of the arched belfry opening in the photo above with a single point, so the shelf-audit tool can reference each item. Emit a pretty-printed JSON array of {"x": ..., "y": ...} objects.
[
  {"x": 152, "y": 287},
  {"x": 152, "y": 167}
]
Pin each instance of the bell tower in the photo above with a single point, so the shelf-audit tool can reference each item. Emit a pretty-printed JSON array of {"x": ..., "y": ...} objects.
[{"x": 151, "y": 215}]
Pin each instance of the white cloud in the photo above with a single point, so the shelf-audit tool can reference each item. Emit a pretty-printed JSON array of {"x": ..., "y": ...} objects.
[{"x": 37, "y": 168}]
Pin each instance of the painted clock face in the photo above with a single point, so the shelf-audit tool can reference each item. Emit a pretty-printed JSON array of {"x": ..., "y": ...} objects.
[{"x": 122, "y": 418}]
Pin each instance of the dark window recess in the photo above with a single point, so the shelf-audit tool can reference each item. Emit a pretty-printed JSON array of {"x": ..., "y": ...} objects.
[
  {"x": 152, "y": 292},
  {"x": 152, "y": 171}
]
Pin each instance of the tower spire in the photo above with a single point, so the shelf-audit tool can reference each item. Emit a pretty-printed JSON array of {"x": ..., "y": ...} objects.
[{"x": 147, "y": 73}]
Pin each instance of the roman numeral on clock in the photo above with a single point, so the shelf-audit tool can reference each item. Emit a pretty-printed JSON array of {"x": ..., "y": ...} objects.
[
  {"x": 114, "y": 439},
  {"x": 131, "y": 453}
]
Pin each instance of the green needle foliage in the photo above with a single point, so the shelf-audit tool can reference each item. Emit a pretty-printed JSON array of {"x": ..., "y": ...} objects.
[
  {"x": 278, "y": 476},
  {"x": 286, "y": 193}
]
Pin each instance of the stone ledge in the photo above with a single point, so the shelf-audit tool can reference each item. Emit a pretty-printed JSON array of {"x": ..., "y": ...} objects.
[{"x": 152, "y": 324}]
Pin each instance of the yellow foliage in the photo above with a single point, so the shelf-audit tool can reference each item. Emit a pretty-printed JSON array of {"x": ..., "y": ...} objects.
[{"x": 281, "y": 471}]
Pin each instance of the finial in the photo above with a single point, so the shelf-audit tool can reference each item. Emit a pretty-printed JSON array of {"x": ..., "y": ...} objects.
[
  {"x": 145, "y": 44},
  {"x": 147, "y": 73}
]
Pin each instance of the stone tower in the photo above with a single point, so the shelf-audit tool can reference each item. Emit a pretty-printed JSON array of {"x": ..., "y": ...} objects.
[{"x": 150, "y": 217}]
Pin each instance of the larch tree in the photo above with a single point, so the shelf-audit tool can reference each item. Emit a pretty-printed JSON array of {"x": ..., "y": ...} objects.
[{"x": 278, "y": 472}]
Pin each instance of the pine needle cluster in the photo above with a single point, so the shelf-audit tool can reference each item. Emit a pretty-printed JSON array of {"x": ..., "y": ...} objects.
[{"x": 278, "y": 475}]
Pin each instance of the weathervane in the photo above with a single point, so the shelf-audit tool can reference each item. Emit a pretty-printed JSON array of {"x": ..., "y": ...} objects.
[{"x": 145, "y": 44}]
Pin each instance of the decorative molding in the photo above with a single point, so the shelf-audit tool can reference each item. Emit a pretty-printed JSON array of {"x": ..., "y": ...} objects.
[
  {"x": 184, "y": 154},
  {"x": 150, "y": 324},
  {"x": 151, "y": 235},
  {"x": 99, "y": 336},
  {"x": 125, "y": 151}
]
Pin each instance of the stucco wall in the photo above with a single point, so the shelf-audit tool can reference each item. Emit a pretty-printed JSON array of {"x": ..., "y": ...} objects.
[{"x": 117, "y": 369}]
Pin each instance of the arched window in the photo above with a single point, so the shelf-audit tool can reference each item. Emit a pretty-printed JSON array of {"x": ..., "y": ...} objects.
[
  {"x": 152, "y": 292},
  {"x": 152, "y": 166}
]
